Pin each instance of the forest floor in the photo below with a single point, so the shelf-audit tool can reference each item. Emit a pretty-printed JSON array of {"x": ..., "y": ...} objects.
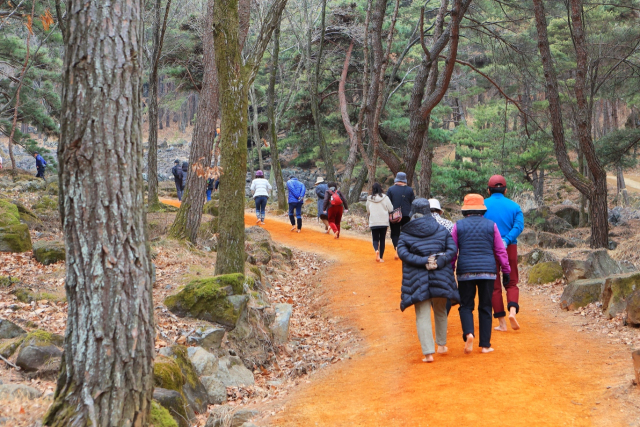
[{"x": 548, "y": 373}]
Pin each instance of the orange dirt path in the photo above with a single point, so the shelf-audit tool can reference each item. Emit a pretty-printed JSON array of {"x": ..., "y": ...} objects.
[{"x": 542, "y": 375}]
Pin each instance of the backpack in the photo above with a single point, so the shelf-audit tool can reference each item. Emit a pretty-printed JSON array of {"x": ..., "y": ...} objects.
[
  {"x": 336, "y": 200},
  {"x": 174, "y": 171}
]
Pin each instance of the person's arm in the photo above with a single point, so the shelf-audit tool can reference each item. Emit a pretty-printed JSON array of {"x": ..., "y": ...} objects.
[
  {"x": 388, "y": 205},
  {"x": 518, "y": 226},
  {"x": 269, "y": 187},
  {"x": 344, "y": 201},
  {"x": 409, "y": 258},
  {"x": 325, "y": 202},
  {"x": 450, "y": 251},
  {"x": 253, "y": 187},
  {"x": 368, "y": 205},
  {"x": 454, "y": 237},
  {"x": 500, "y": 251},
  {"x": 412, "y": 196},
  {"x": 304, "y": 190}
]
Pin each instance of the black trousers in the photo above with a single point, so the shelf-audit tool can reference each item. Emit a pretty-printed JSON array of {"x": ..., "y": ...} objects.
[
  {"x": 379, "y": 234},
  {"x": 396, "y": 228},
  {"x": 467, "y": 290}
]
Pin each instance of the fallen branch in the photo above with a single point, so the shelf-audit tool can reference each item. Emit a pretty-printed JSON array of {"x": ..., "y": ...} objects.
[{"x": 9, "y": 363}]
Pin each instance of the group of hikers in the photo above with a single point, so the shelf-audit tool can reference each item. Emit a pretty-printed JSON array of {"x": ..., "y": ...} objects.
[{"x": 180, "y": 173}]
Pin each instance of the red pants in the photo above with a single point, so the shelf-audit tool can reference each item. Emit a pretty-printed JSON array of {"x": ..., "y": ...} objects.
[
  {"x": 513, "y": 292},
  {"x": 334, "y": 214}
]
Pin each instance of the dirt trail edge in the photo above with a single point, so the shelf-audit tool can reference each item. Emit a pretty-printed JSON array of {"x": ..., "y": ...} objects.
[{"x": 545, "y": 374}]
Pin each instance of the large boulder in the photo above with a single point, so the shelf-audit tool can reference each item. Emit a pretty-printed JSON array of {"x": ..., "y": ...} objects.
[
  {"x": 193, "y": 390},
  {"x": 215, "y": 299},
  {"x": 589, "y": 264},
  {"x": 233, "y": 373},
  {"x": 40, "y": 350},
  {"x": 207, "y": 366},
  {"x": 175, "y": 403},
  {"x": 551, "y": 241},
  {"x": 633, "y": 308},
  {"x": 528, "y": 237},
  {"x": 280, "y": 325},
  {"x": 14, "y": 236},
  {"x": 223, "y": 417},
  {"x": 46, "y": 252},
  {"x": 581, "y": 293},
  {"x": 556, "y": 225},
  {"x": 160, "y": 416},
  {"x": 616, "y": 290},
  {"x": 569, "y": 213},
  {"x": 209, "y": 339},
  {"x": 545, "y": 272},
  {"x": 18, "y": 392},
  {"x": 536, "y": 256},
  {"x": 10, "y": 330}
]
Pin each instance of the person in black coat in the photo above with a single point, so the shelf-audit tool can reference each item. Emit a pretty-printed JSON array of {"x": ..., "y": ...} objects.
[
  {"x": 427, "y": 249},
  {"x": 178, "y": 178},
  {"x": 401, "y": 196}
]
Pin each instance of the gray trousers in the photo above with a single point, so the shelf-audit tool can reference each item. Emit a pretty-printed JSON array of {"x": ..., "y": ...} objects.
[{"x": 423, "y": 323}]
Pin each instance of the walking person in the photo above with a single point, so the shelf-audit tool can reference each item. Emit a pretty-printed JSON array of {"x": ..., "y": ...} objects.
[
  {"x": 210, "y": 183},
  {"x": 178, "y": 176},
  {"x": 479, "y": 247},
  {"x": 185, "y": 172},
  {"x": 321, "y": 189},
  {"x": 335, "y": 204},
  {"x": 436, "y": 212},
  {"x": 427, "y": 250},
  {"x": 401, "y": 196},
  {"x": 510, "y": 221},
  {"x": 261, "y": 189},
  {"x": 297, "y": 190},
  {"x": 40, "y": 165},
  {"x": 378, "y": 207}
]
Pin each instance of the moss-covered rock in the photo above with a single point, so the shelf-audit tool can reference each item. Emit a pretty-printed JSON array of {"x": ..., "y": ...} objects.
[
  {"x": 8, "y": 347},
  {"x": 160, "y": 416},
  {"x": 581, "y": 293},
  {"x": 167, "y": 374},
  {"x": 46, "y": 203},
  {"x": 211, "y": 208},
  {"x": 24, "y": 295},
  {"x": 209, "y": 299},
  {"x": 193, "y": 389},
  {"x": 545, "y": 272},
  {"x": 39, "y": 349},
  {"x": 15, "y": 238},
  {"x": 176, "y": 404},
  {"x": 9, "y": 214},
  {"x": 616, "y": 290},
  {"x": 49, "y": 252}
]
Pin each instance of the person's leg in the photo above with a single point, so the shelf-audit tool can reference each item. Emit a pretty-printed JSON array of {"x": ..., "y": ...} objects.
[
  {"x": 513, "y": 293},
  {"x": 338, "y": 219},
  {"x": 208, "y": 195},
  {"x": 423, "y": 326},
  {"x": 485, "y": 290},
  {"x": 263, "y": 208},
  {"x": 382, "y": 235},
  {"x": 440, "y": 317},
  {"x": 448, "y": 306},
  {"x": 179, "y": 192},
  {"x": 375, "y": 237},
  {"x": 467, "y": 291},
  {"x": 292, "y": 218},
  {"x": 257, "y": 201},
  {"x": 395, "y": 234},
  {"x": 331, "y": 217},
  {"x": 497, "y": 304},
  {"x": 299, "y": 215}
]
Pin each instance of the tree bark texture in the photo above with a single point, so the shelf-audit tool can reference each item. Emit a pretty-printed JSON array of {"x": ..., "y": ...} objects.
[
  {"x": 345, "y": 184},
  {"x": 276, "y": 169},
  {"x": 152, "y": 167},
  {"x": 106, "y": 377},
  {"x": 256, "y": 129},
  {"x": 189, "y": 216}
]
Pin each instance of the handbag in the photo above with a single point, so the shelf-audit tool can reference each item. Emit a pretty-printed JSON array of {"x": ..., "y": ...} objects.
[{"x": 396, "y": 215}]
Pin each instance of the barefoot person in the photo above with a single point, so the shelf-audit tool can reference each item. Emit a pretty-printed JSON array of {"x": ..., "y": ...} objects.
[
  {"x": 261, "y": 189},
  {"x": 479, "y": 247},
  {"x": 510, "y": 221},
  {"x": 335, "y": 204},
  {"x": 378, "y": 207},
  {"x": 427, "y": 249},
  {"x": 401, "y": 196},
  {"x": 296, "y": 191}
]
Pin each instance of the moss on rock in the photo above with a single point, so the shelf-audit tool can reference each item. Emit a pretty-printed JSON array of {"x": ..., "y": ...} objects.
[
  {"x": 49, "y": 252},
  {"x": 46, "y": 203},
  {"x": 15, "y": 238},
  {"x": 160, "y": 416},
  {"x": 616, "y": 290},
  {"x": 545, "y": 272},
  {"x": 9, "y": 347},
  {"x": 42, "y": 338},
  {"x": 167, "y": 374},
  {"x": 9, "y": 214}
]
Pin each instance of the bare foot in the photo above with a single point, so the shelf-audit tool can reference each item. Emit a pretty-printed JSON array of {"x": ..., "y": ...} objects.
[
  {"x": 396, "y": 257},
  {"x": 512, "y": 319},
  {"x": 298, "y": 230},
  {"x": 502, "y": 326},
  {"x": 468, "y": 346},
  {"x": 378, "y": 256},
  {"x": 443, "y": 349},
  {"x": 258, "y": 221},
  {"x": 428, "y": 358},
  {"x": 261, "y": 222},
  {"x": 293, "y": 228},
  {"x": 487, "y": 350},
  {"x": 381, "y": 260}
]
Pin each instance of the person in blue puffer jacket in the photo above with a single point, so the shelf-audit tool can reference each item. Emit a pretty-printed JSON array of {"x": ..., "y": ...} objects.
[
  {"x": 510, "y": 221},
  {"x": 296, "y": 190}
]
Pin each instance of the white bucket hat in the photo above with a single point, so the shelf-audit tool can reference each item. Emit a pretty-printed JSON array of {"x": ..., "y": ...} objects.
[
  {"x": 319, "y": 180},
  {"x": 435, "y": 204}
]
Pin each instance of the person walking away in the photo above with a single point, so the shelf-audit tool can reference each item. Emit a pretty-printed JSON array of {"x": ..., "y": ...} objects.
[
  {"x": 378, "y": 207},
  {"x": 427, "y": 250},
  {"x": 436, "y": 212},
  {"x": 297, "y": 190},
  {"x": 176, "y": 170},
  {"x": 401, "y": 196},
  {"x": 261, "y": 189},
  {"x": 510, "y": 221},
  {"x": 209, "y": 188},
  {"x": 479, "y": 247},
  {"x": 40, "y": 165},
  {"x": 335, "y": 204},
  {"x": 321, "y": 189},
  {"x": 185, "y": 172}
]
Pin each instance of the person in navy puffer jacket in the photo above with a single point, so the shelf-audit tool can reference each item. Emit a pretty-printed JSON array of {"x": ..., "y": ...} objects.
[
  {"x": 297, "y": 191},
  {"x": 479, "y": 248},
  {"x": 427, "y": 285}
]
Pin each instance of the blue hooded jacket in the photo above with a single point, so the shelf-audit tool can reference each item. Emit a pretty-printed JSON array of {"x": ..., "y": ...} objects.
[
  {"x": 296, "y": 190},
  {"x": 40, "y": 162},
  {"x": 507, "y": 215}
]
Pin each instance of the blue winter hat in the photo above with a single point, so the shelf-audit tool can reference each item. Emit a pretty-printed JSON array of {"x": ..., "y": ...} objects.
[
  {"x": 401, "y": 177},
  {"x": 420, "y": 206}
]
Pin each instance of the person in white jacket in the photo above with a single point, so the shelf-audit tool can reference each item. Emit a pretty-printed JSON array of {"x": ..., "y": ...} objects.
[
  {"x": 378, "y": 207},
  {"x": 261, "y": 189}
]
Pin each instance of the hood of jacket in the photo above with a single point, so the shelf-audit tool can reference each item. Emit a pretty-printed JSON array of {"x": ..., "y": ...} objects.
[
  {"x": 377, "y": 198},
  {"x": 421, "y": 227}
]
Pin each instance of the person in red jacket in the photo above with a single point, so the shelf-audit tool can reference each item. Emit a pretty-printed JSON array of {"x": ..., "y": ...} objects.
[{"x": 335, "y": 204}]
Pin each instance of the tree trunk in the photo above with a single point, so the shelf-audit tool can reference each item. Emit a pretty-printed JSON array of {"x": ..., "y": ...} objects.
[
  {"x": 188, "y": 218},
  {"x": 622, "y": 186},
  {"x": 256, "y": 129},
  {"x": 107, "y": 375},
  {"x": 426, "y": 161},
  {"x": 276, "y": 170},
  {"x": 353, "y": 141},
  {"x": 354, "y": 194},
  {"x": 538, "y": 187},
  {"x": 153, "y": 203}
]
